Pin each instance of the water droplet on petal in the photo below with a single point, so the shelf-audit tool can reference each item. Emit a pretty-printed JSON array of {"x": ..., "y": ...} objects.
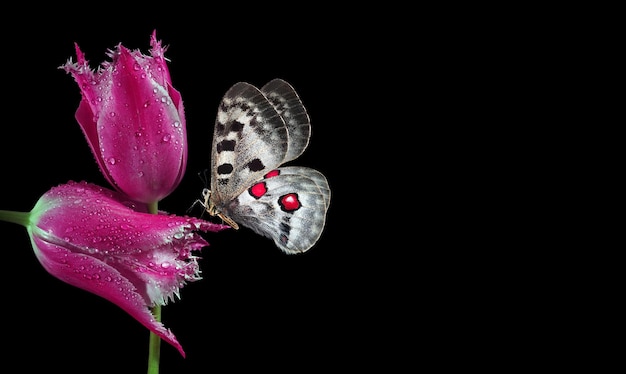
[
  {"x": 166, "y": 138},
  {"x": 111, "y": 160}
]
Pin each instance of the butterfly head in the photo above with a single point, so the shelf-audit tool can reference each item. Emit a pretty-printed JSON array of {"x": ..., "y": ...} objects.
[{"x": 213, "y": 211}]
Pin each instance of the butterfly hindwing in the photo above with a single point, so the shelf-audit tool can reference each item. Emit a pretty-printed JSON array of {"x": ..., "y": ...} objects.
[
  {"x": 289, "y": 207},
  {"x": 318, "y": 178}
]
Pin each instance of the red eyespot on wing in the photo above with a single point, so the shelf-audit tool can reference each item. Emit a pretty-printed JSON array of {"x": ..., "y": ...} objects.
[
  {"x": 289, "y": 202},
  {"x": 258, "y": 190},
  {"x": 272, "y": 173}
]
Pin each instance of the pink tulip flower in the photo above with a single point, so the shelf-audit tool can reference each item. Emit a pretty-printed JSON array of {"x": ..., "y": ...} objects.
[
  {"x": 133, "y": 120},
  {"x": 95, "y": 239}
]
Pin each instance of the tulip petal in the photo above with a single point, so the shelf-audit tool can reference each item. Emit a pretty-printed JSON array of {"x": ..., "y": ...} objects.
[
  {"x": 92, "y": 238},
  {"x": 139, "y": 130},
  {"x": 99, "y": 278},
  {"x": 85, "y": 118},
  {"x": 133, "y": 120}
]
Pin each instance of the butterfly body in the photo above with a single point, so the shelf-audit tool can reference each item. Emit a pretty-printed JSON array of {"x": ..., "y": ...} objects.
[{"x": 256, "y": 132}]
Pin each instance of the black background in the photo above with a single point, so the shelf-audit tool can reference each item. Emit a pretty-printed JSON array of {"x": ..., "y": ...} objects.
[
  {"x": 425, "y": 123},
  {"x": 335, "y": 307}
]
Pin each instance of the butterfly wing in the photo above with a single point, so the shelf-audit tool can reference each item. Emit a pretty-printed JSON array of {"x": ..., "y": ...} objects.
[
  {"x": 289, "y": 206},
  {"x": 289, "y": 106},
  {"x": 255, "y": 132},
  {"x": 318, "y": 178},
  {"x": 250, "y": 138}
]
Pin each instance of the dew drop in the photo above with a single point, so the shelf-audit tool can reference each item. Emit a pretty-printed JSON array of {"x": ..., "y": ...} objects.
[
  {"x": 166, "y": 138},
  {"x": 111, "y": 160}
]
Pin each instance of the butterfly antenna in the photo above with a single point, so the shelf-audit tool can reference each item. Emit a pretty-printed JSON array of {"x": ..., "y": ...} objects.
[
  {"x": 205, "y": 181},
  {"x": 204, "y": 178}
]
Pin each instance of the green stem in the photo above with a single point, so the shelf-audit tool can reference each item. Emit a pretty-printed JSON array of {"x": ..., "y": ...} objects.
[
  {"x": 155, "y": 345},
  {"x": 154, "y": 349},
  {"x": 21, "y": 218}
]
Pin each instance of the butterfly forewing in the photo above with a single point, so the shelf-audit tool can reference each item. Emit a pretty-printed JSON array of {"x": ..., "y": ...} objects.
[
  {"x": 250, "y": 138},
  {"x": 287, "y": 103}
]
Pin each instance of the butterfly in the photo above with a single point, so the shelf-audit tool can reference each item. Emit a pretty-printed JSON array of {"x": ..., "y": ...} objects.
[{"x": 256, "y": 132}]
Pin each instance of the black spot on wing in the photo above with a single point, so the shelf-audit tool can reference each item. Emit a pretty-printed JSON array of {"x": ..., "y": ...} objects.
[
  {"x": 284, "y": 229},
  {"x": 236, "y": 126},
  {"x": 226, "y": 145},
  {"x": 255, "y": 165},
  {"x": 225, "y": 169}
]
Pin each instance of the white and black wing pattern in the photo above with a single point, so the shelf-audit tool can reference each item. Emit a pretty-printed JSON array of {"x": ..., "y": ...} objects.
[
  {"x": 289, "y": 106},
  {"x": 288, "y": 206},
  {"x": 250, "y": 138},
  {"x": 256, "y": 131}
]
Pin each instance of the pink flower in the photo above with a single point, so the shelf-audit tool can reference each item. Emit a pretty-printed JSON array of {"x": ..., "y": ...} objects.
[
  {"x": 133, "y": 120},
  {"x": 94, "y": 239}
]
